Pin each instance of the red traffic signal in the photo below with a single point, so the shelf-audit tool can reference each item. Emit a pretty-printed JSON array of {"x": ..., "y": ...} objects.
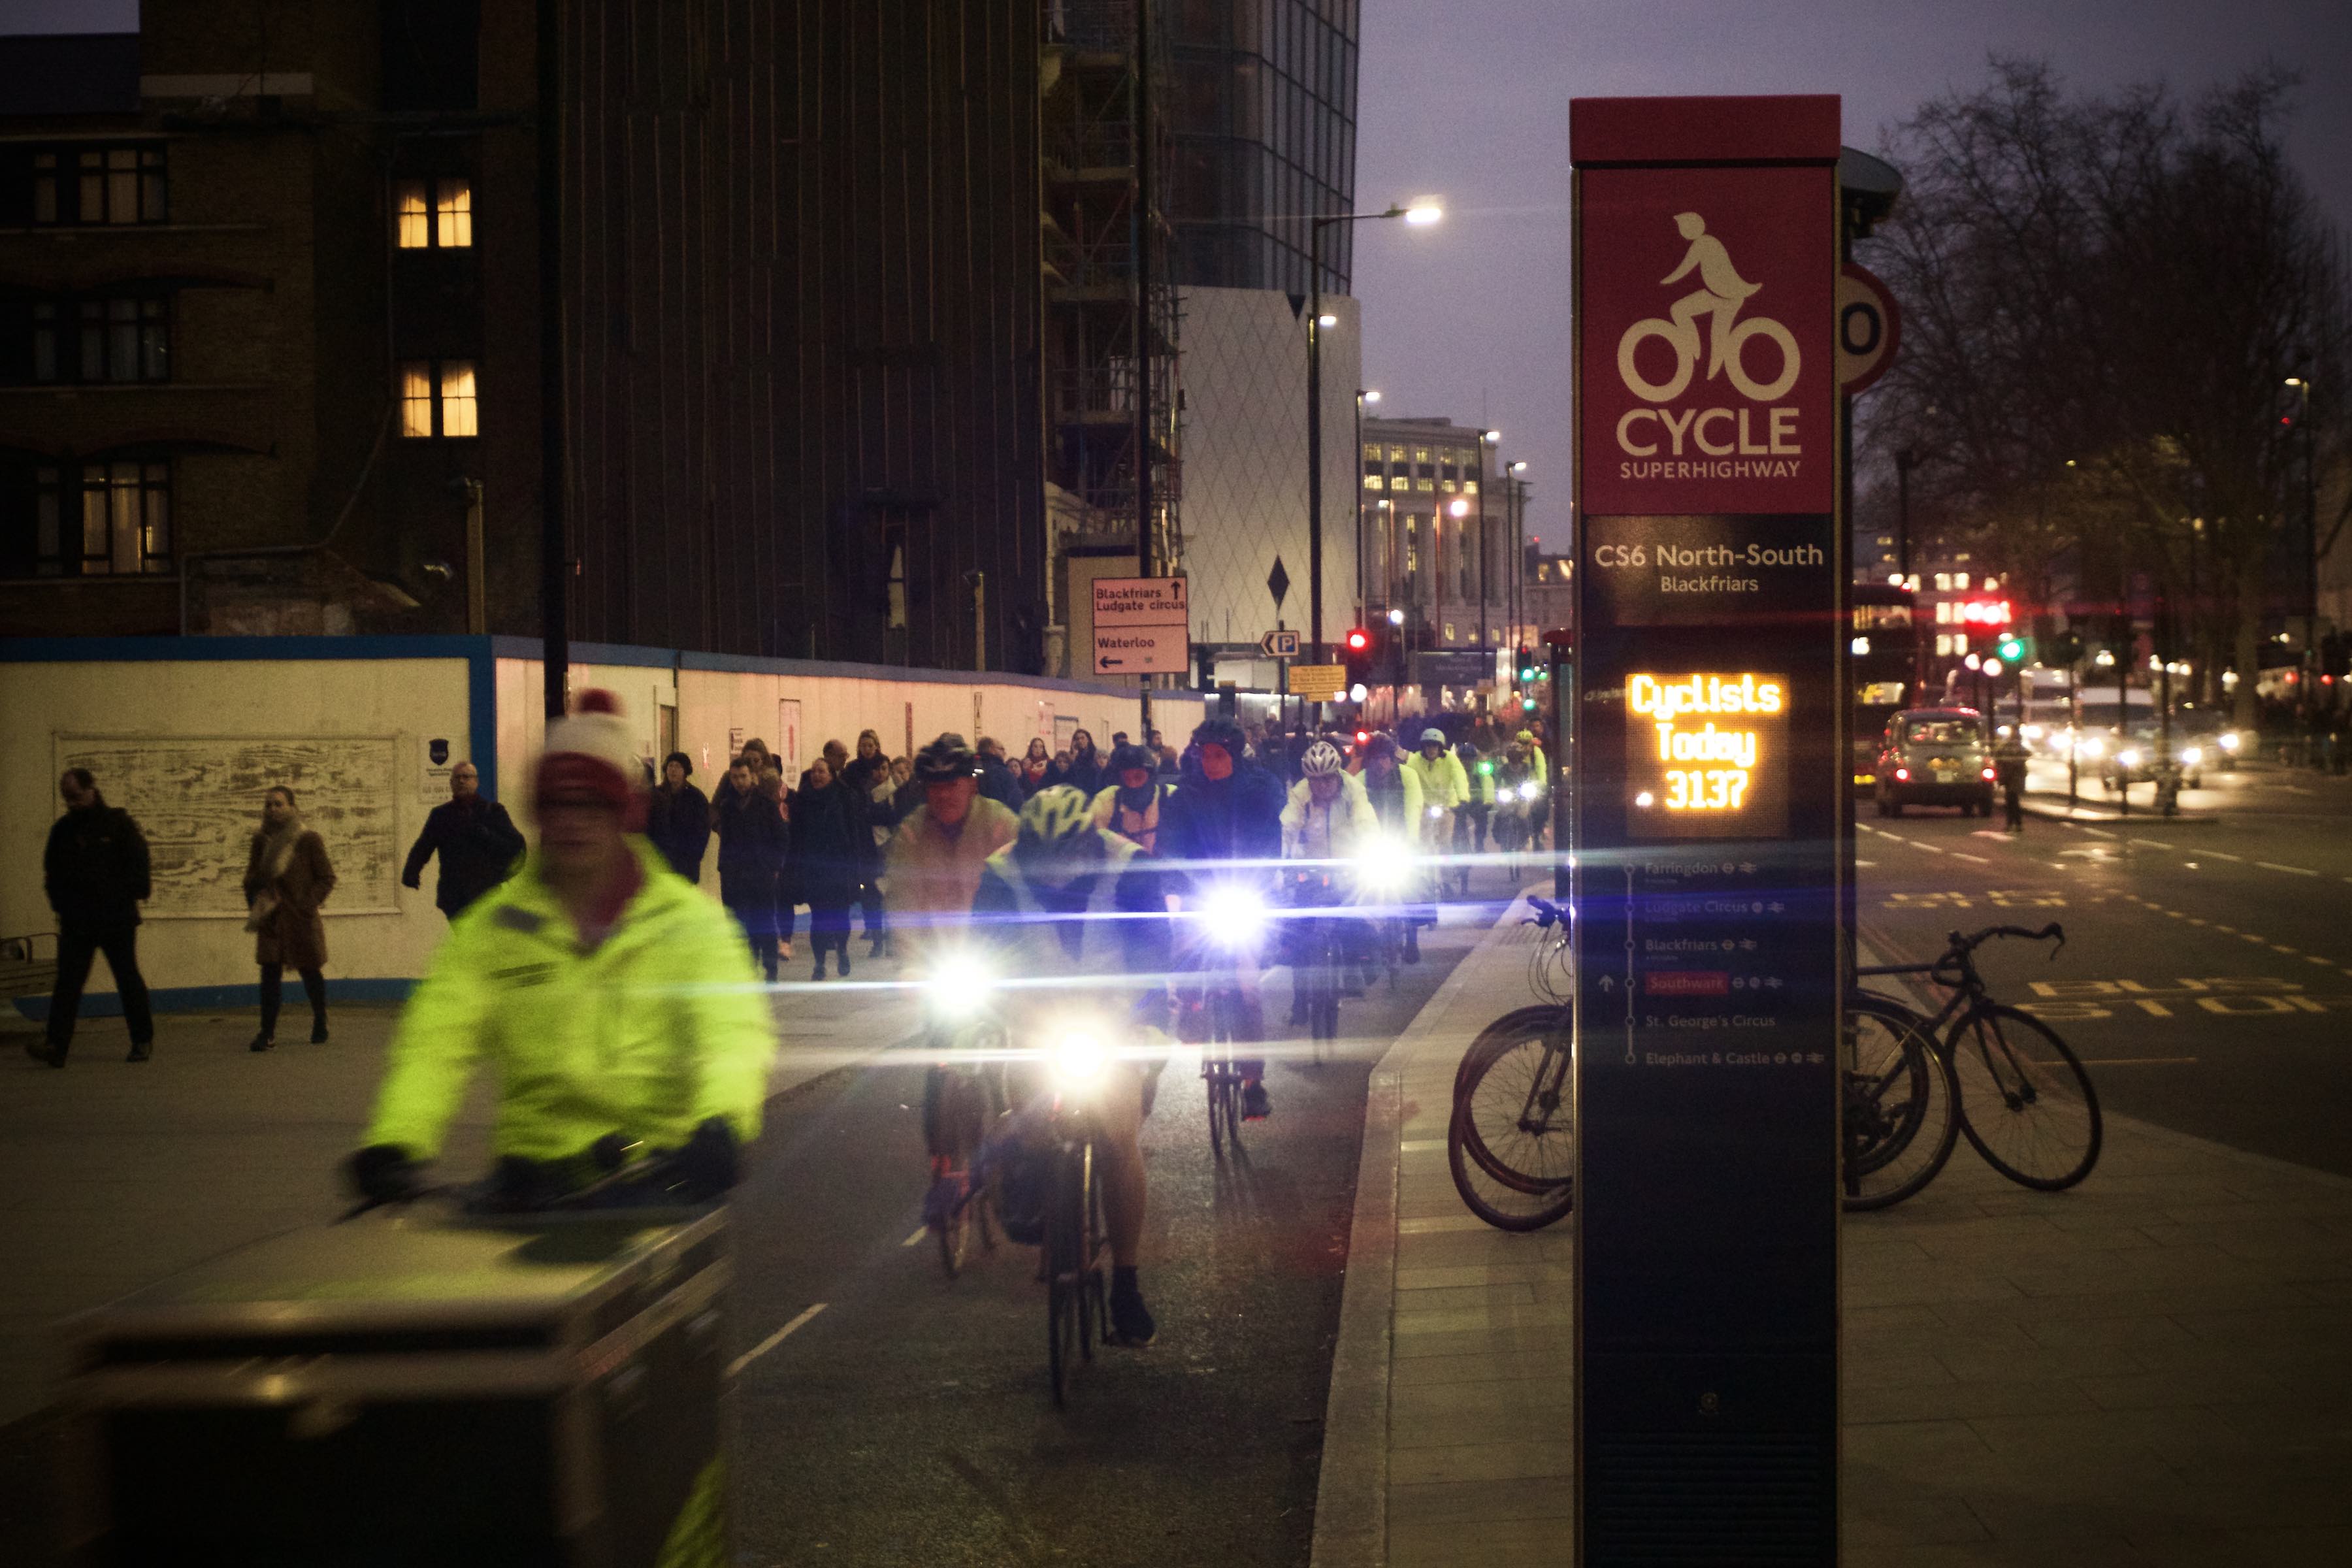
[
  {"x": 1985, "y": 613},
  {"x": 1358, "y": 641}
]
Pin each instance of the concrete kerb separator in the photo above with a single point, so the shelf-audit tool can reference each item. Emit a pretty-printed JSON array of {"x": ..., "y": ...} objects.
[{"x": 1351, "y": 1495}]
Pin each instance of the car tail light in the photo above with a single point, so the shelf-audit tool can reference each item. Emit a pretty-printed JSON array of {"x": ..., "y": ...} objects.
[{"x": 1902, "y": 776}]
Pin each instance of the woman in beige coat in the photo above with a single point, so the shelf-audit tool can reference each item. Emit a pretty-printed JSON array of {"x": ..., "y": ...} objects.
[{"x": 286, "y": 878}]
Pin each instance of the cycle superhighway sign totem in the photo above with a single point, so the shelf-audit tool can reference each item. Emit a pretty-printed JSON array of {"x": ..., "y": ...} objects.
[{"x": 1709, "y": 741}]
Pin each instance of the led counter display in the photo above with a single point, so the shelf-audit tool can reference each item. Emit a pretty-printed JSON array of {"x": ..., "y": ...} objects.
[{"x": 1707, "y": 754}]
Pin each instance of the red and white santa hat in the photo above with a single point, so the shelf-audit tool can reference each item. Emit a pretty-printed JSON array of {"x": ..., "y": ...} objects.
[{"x": 590, "y": 757}]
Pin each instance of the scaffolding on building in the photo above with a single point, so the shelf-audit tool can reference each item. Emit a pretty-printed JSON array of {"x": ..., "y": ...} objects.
[{"x": 1100, "y": 348}]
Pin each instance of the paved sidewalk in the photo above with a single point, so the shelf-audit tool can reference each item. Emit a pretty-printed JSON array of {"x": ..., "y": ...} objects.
[
  {"x": 2155, "y": 1368},
  {"x": 118, "y": 1176}
]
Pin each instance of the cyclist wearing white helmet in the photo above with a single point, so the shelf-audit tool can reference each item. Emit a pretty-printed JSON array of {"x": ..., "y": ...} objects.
[
  {"x": 1072, "y": 915},
  {"x": 1329, "y": 817}
]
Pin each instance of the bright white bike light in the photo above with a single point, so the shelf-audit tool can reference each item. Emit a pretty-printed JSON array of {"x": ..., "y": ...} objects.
[
  {"x": 958, "y": 986},
  {"x": 1078, "y": 1058},
  {"x": 1236, "y": 916},
  {"x": 1528, "y": 791}
]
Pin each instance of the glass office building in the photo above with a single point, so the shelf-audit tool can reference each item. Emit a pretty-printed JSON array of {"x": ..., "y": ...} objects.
[{"x": 1262, "y": 114}]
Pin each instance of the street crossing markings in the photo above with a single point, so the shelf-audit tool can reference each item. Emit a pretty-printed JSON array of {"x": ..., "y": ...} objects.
[
  {"x": 771, "y": 1341},
  {"x": 2297, "y": 870}
]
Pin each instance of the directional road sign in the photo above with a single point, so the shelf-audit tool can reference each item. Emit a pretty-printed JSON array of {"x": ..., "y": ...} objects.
[
  {"x": 1140, "y": 626},
  {"x": 1280, "y": 645}
]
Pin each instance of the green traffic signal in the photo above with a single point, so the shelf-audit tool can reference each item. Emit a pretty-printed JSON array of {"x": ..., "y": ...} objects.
[{"x": 2012, "y": 649}]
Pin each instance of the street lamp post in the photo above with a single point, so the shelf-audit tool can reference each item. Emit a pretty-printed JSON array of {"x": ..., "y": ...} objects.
[
  {"x": 1364, "y": 594},
  {"x": 1419, "y": 212},
  {"x": 1486, "y": 439},
  {"x": 2302, "y": 385}
]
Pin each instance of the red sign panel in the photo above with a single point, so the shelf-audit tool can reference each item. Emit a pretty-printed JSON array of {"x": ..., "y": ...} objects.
[{"x": 1709, "y": 375}]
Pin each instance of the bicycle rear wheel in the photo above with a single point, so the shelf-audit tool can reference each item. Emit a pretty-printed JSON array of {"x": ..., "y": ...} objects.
[
  {"x": 1901, "y": 1105},
  {"x": 2026, "y": 1103},
  {"x": 1510, "y": 1143}
]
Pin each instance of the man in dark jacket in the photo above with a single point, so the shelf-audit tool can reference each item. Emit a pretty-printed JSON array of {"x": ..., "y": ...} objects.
[
  {"x": 478, "y": 844},
  {"x": 997, "y": 779},
  {"x": 95, "y": 871},
  {"x": 1226, "y": 808},
  {"x": 677, "y": 819}
]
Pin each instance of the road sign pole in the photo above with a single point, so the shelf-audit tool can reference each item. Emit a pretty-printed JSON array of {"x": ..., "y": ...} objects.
[{"x": 1707, "y": 878}]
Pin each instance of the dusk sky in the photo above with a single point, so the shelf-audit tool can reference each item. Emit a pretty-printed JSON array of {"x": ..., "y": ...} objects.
[{"x": 1468, "y": 99}]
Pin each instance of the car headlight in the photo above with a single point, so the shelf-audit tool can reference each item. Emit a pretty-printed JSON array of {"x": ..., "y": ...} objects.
[
  {"x": 1236, "y": 916},
  {"x": 2228, "y": 742},
  {"x": 2193, "y": 755},
  {"x": 2092, "y": 746},
  {"x": 2128, "y": 759},
  {"x": 2032, "y": 732}
]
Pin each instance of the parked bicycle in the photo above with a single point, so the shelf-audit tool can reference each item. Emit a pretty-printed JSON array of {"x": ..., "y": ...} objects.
[
  {"x": 2024, "y": 1099},
  {"x": 1511, "y": 1142}
]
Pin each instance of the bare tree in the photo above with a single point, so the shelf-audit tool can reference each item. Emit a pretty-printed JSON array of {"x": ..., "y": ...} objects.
[{"x": 2103, "y": 299}]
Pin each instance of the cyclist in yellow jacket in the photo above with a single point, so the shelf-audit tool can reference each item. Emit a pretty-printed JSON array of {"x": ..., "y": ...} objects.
[{"x": 608, "y": 996}]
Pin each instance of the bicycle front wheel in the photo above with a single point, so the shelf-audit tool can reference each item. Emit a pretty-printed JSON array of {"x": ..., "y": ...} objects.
[
  {"x": 1510, "y": 1143},
  {"x": 2026, "y": 1103},
  {"x": 1901, "y": 1106}
]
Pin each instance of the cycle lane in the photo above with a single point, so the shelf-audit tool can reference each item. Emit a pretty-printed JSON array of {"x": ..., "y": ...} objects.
[
  {"x": 2149, "y": 1368},
  {"x": 2212, "y": 1000}
]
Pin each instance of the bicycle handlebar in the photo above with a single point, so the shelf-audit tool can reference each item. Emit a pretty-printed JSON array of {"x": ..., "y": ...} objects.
[
  {"x": 1970, "y": 944},
  {"x": 1547, "y": 913}
]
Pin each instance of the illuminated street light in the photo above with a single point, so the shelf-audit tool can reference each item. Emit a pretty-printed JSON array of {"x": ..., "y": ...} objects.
[
  {"x": 1457, "y": 506},
  {"x": 1396, "y": 618},
  {"x": 1423, "y": 211},
  {"x": 1372, "y": 394},
  {"x": 1326, "y": 321}
]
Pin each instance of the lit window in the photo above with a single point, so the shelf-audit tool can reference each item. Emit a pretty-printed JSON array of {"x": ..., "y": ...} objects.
[
  {"x": 1449, "y": 631},
  {"x": 457, "y": 399},
  {"x": 1420, "y": 454},
  {"x": 1963, "y": 556},
  {"x": 1943, "y": 611},
  {"x": 416, "y": 398},
  {"x": 126, "y": 519},
  {"x": 453, "y": 214},
  {"x": 1427, "y": 484},
  {"x": 1446, "y": 485},
  {"x": 1371, "y": 451},
  {"x": 1374, "y": 482},
  {"x": 1469, "y": 487},
  {"x": 1885, "y": 538},
  {"x": 415, "y": 229},
  {"x": 1396, "y": 453},
  {"x": 1943, "y": 582}
]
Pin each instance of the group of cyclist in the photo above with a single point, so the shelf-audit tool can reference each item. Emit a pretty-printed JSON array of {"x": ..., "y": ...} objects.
[{"x": 620, "y": 1015}]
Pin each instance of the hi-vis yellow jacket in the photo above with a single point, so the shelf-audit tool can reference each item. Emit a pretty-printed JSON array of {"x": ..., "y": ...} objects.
[{"x": 659, "y": 1028}]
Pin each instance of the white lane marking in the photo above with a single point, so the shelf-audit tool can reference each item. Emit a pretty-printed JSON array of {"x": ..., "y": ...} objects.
[
  {"x": 2134, "y": 1061},
  {"x": 2098, "y": 833},
  {"x": 2218, "y": 855},
  {"x": 1963, "y": 854},
  {"x": 920, "y": 1231},
  {"x": 1861, "y": 862},
  {"x": 2152, "y": 843},
  {"x": 2249, "y": 936},
  {"x": 2278, "y": 947},
  {"x": 771, "y": 1341},
  {"x": 1928, "y": 848},
  {"x": 2297, "y": 870},
  {"x": 2314, "y": 957}
]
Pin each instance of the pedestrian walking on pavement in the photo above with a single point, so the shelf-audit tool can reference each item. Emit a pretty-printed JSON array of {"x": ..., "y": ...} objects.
[
  {"x": 824, "y": 869},
  {"x": 95, "y": 870},
  {"x": 286, "y": 878},
  {"x": 869, "y": 768},
  {"x": 752, "y": 842},
  {"x": 478, "y": 844},
  {"x": 677, "y": 819}
]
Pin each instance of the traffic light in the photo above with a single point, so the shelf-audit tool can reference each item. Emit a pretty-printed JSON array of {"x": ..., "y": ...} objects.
[
  {"x": 2012, "y": 649},
  {"x": 2066, "y": 649},
  {"x": 1357, "y": 651},
  {"x": 1529, "y": 666}
]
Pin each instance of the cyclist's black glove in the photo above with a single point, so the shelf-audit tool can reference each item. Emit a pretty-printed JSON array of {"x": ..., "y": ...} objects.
[
  {"x": 710, "y": 1162},
  {"x": 383, "y": 1174}
]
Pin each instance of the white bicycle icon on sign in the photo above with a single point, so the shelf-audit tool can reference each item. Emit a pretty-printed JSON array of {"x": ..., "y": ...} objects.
[{"x": 1721, "y": 293}]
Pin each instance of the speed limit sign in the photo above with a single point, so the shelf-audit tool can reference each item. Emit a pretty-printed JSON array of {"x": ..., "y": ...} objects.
[{"x": 1868, "y": 327}]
